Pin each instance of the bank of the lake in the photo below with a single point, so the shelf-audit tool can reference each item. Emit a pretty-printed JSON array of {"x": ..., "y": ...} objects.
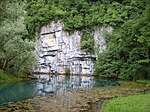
[
  {"x": 5, "y": 77},
  {"x": 81, "y": 100},
  {"x": 134, "y": 103}
]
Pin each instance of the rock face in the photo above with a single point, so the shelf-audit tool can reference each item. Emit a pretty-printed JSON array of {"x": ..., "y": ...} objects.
[{"x": 57, "y": 51}]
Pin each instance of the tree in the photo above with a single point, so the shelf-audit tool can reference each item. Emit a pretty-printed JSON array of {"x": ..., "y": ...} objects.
[
  {"x": 130, "y": 45},
  {"x": 16, "y": 54}
]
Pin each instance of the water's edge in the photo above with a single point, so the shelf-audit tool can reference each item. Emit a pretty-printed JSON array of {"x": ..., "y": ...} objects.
[
  {"x": 81, "y": 100},
  {"x": 48, "y": 85}
]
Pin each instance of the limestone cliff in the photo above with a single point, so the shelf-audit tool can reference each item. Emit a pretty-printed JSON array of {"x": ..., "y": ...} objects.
[{"x": 57, "y": 50}]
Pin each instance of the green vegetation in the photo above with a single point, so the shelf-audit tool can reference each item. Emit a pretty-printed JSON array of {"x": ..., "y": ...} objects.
[
  {"x": 87, "y": 41},
  {"x": 145, "y": 82},
  {"x": 5, "y": 77},
  {"x": 128, "y": 52},
  {"x": 77, "y": 14},
  {"x": 67, "y": 71},
  {"x": 16, "y": 55},
  {"x": 128, "y": 46},
  {"x": 135, "y": 103}
]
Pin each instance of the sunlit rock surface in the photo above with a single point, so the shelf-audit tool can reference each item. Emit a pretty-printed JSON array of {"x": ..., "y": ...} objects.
[{"x": 57, "y": 51}]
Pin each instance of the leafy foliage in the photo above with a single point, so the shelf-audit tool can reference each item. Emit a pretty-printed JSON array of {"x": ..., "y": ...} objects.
[
  {"x": 67, "y": 72},
  {"x": 130, "y": 46},
  {"x": 16, "y": 54},
  {"x": 87, "y": 42},
  {"x": 76, "y": 14}
]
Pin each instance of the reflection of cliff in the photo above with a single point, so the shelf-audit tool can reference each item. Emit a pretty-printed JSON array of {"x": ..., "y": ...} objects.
[
  {"x": 57, "y": 50},
  {"x": 52, "y": 85}
]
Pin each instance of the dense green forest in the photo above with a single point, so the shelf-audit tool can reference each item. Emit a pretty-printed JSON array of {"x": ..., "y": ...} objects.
[
  {"x": 16, "y": 57},
  {"x": 128, "y": 46},
  {"x": 128, "y": 52}
]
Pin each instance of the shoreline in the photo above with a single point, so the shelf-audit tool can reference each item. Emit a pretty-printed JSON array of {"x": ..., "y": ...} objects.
[
  {"x": 82, "y": 100},
  {"x": 47, "y": 73}
]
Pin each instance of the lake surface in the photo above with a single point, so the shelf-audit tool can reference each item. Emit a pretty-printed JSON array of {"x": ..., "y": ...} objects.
[{"x": 48, "y": 85}]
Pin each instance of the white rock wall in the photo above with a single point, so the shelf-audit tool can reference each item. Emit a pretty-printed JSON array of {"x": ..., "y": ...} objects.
[{"x": 57, "y": 50}]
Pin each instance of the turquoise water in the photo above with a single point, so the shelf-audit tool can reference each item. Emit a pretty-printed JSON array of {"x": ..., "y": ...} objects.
[{"x": 47, "y": 86}]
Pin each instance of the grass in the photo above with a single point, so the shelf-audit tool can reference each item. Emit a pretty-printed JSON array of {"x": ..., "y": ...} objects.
[
  {"x": 145, "y": 82},
  {"x": 6, "y": 77},
  {"x": 135, "y": 103}
]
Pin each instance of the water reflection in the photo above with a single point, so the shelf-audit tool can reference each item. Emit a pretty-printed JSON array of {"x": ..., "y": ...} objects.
[
  {"x": 47, "y": 85},
  {"x": 52, "y": 84}
]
